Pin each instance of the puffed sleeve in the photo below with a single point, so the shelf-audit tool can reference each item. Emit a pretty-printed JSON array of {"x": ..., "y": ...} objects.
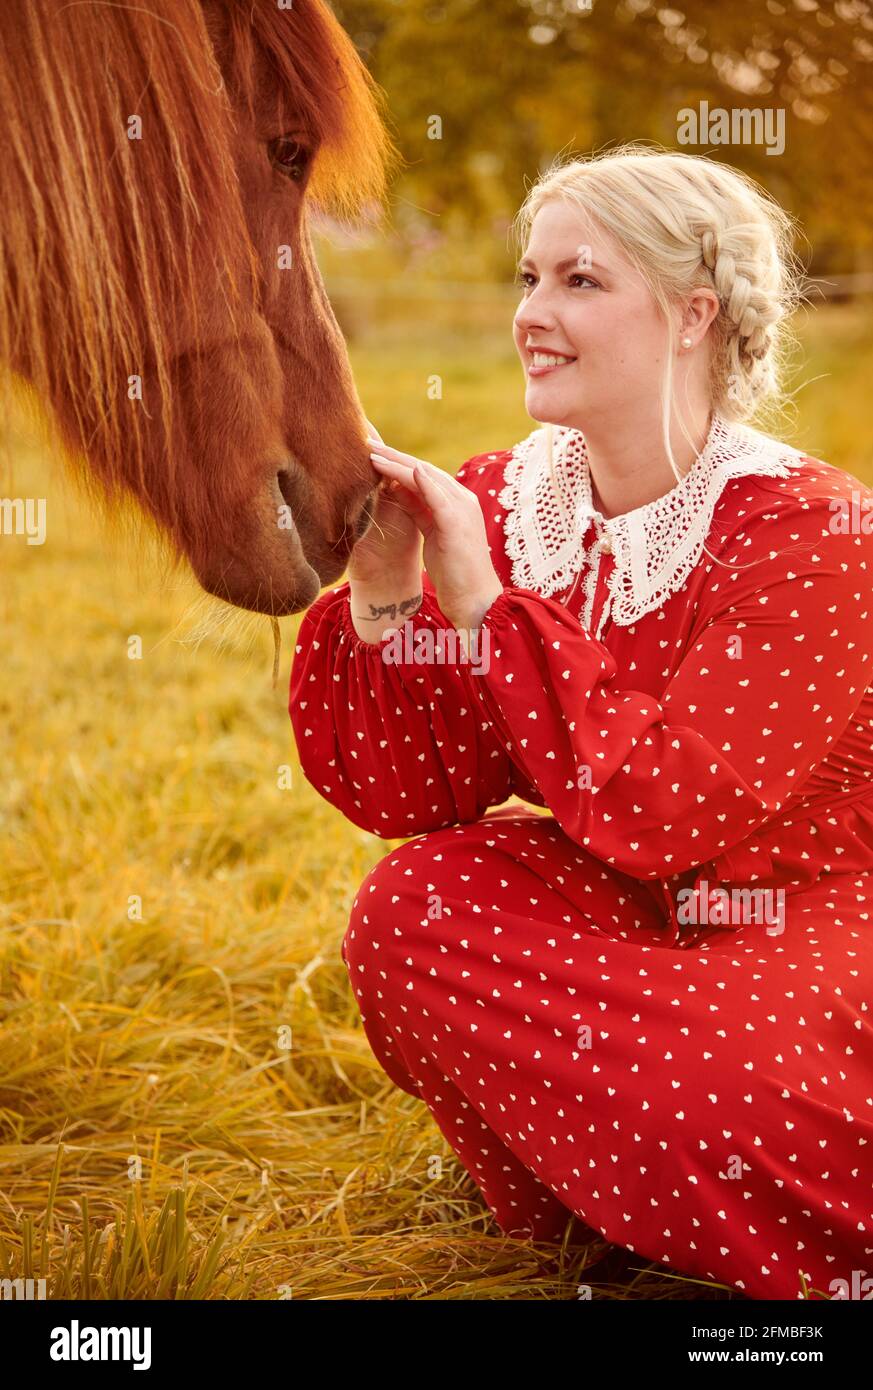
[
  {"x": 658, "y": 787},
  {"x": 399, "y": 747}
]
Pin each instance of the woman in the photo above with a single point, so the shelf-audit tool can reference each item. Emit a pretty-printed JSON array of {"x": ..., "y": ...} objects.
[{"x": 648, "y": 1007}]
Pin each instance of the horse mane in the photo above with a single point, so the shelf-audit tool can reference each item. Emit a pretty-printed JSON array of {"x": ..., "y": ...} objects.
[{"x": 100, "y": 234}]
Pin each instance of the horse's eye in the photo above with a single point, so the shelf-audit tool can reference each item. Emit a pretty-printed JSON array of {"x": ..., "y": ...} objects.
[{"x": 289, "y": 155}]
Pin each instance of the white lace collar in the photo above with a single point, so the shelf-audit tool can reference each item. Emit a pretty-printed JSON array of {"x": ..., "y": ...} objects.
[{"x": 655, "y": 546}]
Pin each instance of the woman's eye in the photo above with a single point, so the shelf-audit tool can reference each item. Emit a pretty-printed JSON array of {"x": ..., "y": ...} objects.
[
  {"x": 524, "y": 277},
  {"x": 289, "y": 155}
]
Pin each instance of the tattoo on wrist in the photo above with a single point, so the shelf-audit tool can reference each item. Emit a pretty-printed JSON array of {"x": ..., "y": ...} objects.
[{"x": 392, "y": 610}]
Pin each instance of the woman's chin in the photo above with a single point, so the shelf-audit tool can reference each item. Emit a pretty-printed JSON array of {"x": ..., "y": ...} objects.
[{"x": 548, "y": 406}]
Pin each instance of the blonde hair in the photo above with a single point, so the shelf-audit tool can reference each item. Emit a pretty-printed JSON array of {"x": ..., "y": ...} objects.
[{"x": 688, "y": 222}]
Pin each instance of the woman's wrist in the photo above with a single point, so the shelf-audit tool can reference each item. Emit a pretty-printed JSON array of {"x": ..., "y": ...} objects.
[
  {"x": 475, "y": 609},
  {"x": 379, "y": 605}
]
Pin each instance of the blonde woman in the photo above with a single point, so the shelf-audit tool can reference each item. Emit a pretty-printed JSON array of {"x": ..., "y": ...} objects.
[{"x": 648, "y": 1007}]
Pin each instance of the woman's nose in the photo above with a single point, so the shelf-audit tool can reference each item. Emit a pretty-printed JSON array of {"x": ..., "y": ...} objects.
[
  {"x": 534, "y": 314},
  {"x": 534, "y": 311}
]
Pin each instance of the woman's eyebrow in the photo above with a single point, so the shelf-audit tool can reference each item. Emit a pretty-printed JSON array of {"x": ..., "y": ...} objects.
[{"x": 527, "y": 264}]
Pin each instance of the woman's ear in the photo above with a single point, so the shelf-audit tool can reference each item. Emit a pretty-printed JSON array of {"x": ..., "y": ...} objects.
[{"x": 701, "y": 307}]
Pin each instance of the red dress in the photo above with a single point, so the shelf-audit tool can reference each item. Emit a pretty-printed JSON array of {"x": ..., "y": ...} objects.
[{"x": 649, "y": 1007}]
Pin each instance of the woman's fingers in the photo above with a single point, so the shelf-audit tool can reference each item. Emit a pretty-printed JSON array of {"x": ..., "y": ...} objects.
[
  {"x": 396, "y": 475},
  {"x": 437, "y": 509},
  {"x": 401, "y": 457},
  {"x": 390, "y": 468},
  {"x": 439, "y": 501},
  {"x": 400, "y": 478},
  {"x": 409, "y": 462}
]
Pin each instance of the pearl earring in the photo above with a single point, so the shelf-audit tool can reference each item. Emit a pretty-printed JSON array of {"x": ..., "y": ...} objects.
[{"x": 686, "y": 342}]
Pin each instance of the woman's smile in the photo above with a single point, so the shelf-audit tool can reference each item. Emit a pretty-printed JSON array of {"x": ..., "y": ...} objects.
[{"x": 542, "y": 363}]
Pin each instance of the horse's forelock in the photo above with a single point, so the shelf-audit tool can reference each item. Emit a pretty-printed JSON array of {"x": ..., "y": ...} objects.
[
  {"x": 98, "y": 231},
  {"x": 315, "y": 61}
]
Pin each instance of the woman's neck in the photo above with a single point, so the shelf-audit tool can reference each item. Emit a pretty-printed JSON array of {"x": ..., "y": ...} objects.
[{"x": 629, "y": 464}]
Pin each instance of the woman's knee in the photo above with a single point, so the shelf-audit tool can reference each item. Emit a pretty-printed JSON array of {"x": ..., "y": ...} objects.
[{"x": 381, "y": 905}]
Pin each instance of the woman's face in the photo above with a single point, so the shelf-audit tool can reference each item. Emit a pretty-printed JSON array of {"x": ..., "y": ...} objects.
[{"x": 584, "y": 300}]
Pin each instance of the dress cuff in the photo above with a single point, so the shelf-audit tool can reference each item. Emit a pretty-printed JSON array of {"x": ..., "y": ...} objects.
[
  {"x": 529, "y": 603},
  {"x": 427, "y": 610},
  {"x": 496, "y": 612}
]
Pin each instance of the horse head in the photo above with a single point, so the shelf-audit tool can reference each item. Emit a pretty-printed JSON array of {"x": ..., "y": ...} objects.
[{"x": 160, "y": 295}]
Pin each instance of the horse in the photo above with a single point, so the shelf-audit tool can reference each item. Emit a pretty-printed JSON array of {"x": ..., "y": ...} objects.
[{"x": 159, "y": 293}]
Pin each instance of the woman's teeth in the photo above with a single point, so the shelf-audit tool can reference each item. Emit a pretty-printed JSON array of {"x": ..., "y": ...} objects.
[{"x": 547, "y": 359}]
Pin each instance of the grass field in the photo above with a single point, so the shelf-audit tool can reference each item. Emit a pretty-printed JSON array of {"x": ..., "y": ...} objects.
[{"x": 157, "y": 1137}]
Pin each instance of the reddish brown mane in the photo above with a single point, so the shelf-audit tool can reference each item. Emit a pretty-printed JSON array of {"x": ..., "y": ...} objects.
[{"x": 100, "y": 235}]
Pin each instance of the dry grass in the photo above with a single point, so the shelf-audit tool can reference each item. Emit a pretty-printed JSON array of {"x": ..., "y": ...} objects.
[{"x": 265, "y": 1172}]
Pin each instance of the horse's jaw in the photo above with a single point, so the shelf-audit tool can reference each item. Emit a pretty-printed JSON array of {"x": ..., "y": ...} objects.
[
  {"x": 278, "y": 562},
  {"x": 260, "y": 564}
]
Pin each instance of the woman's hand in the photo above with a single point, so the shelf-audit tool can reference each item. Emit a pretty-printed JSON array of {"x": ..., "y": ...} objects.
[
  {"x": 449, "y": 517},
  {"x": 391, "y": 550}
]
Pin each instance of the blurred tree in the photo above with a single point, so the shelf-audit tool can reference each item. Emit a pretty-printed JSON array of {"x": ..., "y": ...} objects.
[{"x": 516, "y": 82}]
